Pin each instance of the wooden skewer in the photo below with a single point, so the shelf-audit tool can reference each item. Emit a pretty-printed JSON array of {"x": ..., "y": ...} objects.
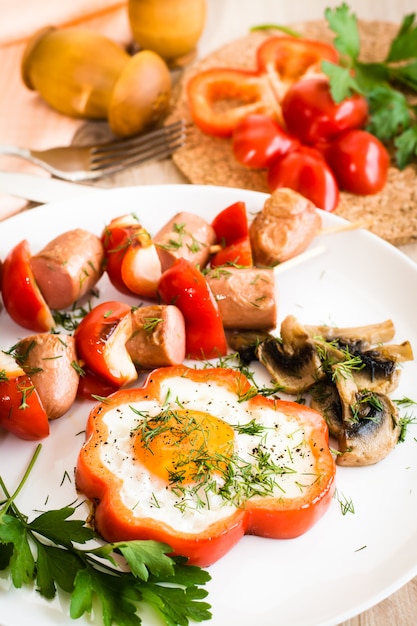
[
  {"x": 300, "y": 258},
  {"x": 340, "y": 228}
]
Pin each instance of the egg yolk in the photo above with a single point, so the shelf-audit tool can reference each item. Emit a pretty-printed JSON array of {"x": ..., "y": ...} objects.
[{"x": 184, "y": 446}]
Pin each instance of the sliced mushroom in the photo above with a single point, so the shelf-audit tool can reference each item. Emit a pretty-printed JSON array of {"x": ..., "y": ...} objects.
[
  {"x": 246, "y": 344},
  {"x": 373, "y": 435},
  {"x": 292, "y": 360},
  {"x": 370, "y": 334},
  {"x": 364, "y": 423}
]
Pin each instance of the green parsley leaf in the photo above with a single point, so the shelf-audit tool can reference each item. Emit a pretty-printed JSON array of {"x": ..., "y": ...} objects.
[
  {"x": 403, "y": 47},
  {"x": 344, "y": 24},
  {"x": 406, "y": 145},
  {"x": 22, "y": 563}
]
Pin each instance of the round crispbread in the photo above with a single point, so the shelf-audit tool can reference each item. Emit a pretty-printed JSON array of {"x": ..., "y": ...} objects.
[{"x": 207, "y": 160}]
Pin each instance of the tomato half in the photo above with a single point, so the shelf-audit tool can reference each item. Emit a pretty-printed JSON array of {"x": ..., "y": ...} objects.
[
  {"x": 101, "y": 340},
  {"x": 311, "y": 114},
  {"x": 258, "y": 139},
  {"x": 21, "y": 409},
  {"x": 359, "y": 162},
  {"x": 231, "y": 224},
  {"x": 132, "y": 262},
  {"x": 238, "y": 253},
  {"x": 219, "y": 98},
  {"x": 21, "y": 295},
  {"x": 306, "y": 172}
]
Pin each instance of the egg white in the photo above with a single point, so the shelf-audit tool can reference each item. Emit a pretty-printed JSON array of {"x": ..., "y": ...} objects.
[{"x": 149, "y": 496}]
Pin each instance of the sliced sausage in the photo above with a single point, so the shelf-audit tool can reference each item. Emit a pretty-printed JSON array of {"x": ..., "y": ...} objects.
[
  {"x": 185, "y": 236},
  {"x": 284, "y": 227},
  {"x": 158, "y": 337},
  {"x": 51, "y": 362},
  {"x": 68, "y": 267},
  {"x": 246, "y": 297}
]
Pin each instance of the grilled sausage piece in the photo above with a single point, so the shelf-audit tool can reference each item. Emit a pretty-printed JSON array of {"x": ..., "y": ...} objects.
[
  {"x": 49, "y": 360},
  {"x": 284, "y": 227},
  {"x": 246, "y": 297},
  {"x": 158, "y": 337},
  {"x": 68, "y": 267},
  {"x": 185, "y": 236}
]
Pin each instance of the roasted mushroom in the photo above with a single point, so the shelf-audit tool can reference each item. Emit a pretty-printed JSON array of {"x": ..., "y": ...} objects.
[
  {"x": 365, "y": 423},
  {"x": 292, "y": 360}
]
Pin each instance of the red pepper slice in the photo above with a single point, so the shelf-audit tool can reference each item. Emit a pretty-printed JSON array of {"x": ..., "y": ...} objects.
[
  {"x": 218, "y": 98},
  {"x": 101, "y": 342},
  {"x": 185, "y": 286},
  {"x": 21, "y": 295},
  {"x": 21, "y": 409},
  {"x": 286, "y": 60},
  {"x": 202, "y": 414}
]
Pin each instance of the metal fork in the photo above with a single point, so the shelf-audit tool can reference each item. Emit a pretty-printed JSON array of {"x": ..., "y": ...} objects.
[{"x": 78, "y": 163}]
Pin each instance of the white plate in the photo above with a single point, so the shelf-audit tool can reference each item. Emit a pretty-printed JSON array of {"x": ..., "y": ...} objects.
[{"x": 344, "y": 564}]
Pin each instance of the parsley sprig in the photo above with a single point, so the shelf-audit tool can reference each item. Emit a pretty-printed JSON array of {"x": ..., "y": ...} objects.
[
  {"x": 387, "y": 85},
  {"x": 48, "y": 551}
]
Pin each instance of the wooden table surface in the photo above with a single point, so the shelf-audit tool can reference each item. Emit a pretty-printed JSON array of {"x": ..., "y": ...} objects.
[{"x": 229, "y": 19}]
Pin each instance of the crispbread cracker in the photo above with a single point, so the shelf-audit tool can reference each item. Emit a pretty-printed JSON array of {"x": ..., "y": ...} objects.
[{"x": 207, "y": 160}]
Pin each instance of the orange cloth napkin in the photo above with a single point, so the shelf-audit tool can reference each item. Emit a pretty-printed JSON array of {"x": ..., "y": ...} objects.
[{"x": 25, "y": 119}]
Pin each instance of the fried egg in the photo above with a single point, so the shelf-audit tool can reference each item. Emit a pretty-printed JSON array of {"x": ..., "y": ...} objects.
[{"x": 196, "y": 453}]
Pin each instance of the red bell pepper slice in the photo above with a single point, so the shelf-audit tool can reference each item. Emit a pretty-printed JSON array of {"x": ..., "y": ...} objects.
[
  {"x": 286, "y": 60},
  {"x": 185, "y": 286},
  {"x": 101, "y": 342},
  {"x": 300, "y": 492},
  {"x": 239, "y": 92},
  {"x": 21, "y": 295},
  {"x": 91, "y": 386},
  {"x": 21, "y": 409}
]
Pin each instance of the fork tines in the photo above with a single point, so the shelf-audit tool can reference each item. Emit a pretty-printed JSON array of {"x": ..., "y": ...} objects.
[{"x": 155, "y": 144}]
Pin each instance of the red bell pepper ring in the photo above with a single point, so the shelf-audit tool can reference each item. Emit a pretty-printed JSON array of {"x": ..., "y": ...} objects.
[
  {"x": 22, "y": 297},
  {"x": 286, "y": 60},
  {"x": 132, "y": 262},
  {"x": 186, "y": 287},
  {"x": 101, "y": 342},
  {"x": 188, "y": 423},
  {"x": 207, "y": 88},
  {"x": 21, "y": 409}
]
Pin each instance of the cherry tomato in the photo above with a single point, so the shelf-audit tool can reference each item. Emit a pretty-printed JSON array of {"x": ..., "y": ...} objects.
[
  {"x": 219, "y": 98},
  {"x": 359, "y": 161},
  {"x": 290, "y": 57},
  {"x": 311, "y": 114},
  {"x": 306, "y": 172},
  {"x": 21, "y": 295},
  {"x": 186, "y": 287},
  {"x": 258, "y": 139}
]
